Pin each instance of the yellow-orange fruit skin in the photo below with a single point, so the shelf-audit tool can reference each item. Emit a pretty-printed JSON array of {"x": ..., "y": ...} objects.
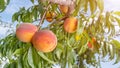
[
  {"x": 50, "y": 16},
  {"x": 70, "y": 24},
  {"x": 25, "y": 32},
  {"x": 49, "y": 19},
  {"x": 64, "y": 9},
  {"x": 44, "y": 41}
]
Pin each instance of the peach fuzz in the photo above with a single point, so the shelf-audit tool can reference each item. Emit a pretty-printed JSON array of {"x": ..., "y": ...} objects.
[
  {"x": 44, "y": 41},
  {"x": 25, "y": 32}
]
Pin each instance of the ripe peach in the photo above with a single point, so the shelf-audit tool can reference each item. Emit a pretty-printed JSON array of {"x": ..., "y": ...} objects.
[
  {"x": 25, "y": 32},
  {"x": 64, "y": 9},
  {"x": 70, "y": 24},
  {"x": 44, "y": 41}
]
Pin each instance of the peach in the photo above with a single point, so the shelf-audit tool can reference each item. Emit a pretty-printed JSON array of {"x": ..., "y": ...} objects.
[
  {"x": 44, "y": 41},
  {"x": 25, "y": 32},
  {"x": 70, "y": 24},
  {"x": 64, "y": 9},
  {"x": 49, "y": 16}
]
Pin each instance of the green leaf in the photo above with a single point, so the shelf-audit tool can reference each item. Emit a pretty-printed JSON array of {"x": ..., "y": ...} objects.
[
  {"x": 46, "y": 58},
  {"x": 108, "y": 22},
  {"x": 15, "y": 17},
  {"x": 100, "y": 5},
  {"x": 116, "y": 43},
  {"x": 80, "y": 27},
  {"x": 32, "y": 1},
  {"x": 93, "y": 6},
  {"x": 117, "y": 13},
  {"x": 118, "y": 20},
  {"x": 19, "y": 63},
  {"x": 111, "y": 49},
  {"x": 30, "y": 58},
  {"x": 6, "y": 65},
  {"x": 18, "y": 51},
  {"x": 86, "y": 5},
  {"x": 2, "y": 5},
  {"x": 117, "y": 57},
  {"x": 83, "y": 49},
  {"x": 8, "y": 1},
  {"x": 25, "y": 60},
  {"x": 12, "y": 65},
  {"x": 35, "y": 13},
  {"x": 59, "y": 50}
]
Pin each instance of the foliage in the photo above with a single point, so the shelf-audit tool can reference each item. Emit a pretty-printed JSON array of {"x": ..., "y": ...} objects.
[
  {"x": 72, "y": 50},
  {"x": 3, "y": 4}
]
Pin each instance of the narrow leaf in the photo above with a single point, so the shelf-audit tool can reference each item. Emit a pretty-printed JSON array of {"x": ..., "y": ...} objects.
[
  {"x": 100, "y": 5},
  {"x": 116, "y": 43},
  {"x": 118, "y": 20},
  {"x": 93, "y": 6},
  {"x": 117, "y": 13},
  {"x": 111, "y": 52},
  {"x": 18, "y": 51},
  {"x": 30, "y": 58},
  {"x": 19, "y": 63},
  {"x": 45, "y": 57}
]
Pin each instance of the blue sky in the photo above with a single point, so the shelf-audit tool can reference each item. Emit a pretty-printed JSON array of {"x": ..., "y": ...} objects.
[{"x": 110, "y": 5}]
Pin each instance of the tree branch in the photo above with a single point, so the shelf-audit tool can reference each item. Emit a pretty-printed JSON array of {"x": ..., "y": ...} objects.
[{"x": 43, "y": 17}]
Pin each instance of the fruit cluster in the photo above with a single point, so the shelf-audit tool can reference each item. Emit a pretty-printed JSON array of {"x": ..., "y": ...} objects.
[
  {"x": 70, "y": 23},
  {"x": 42, "y": 40},
  {"x": 45, "y": 40}
]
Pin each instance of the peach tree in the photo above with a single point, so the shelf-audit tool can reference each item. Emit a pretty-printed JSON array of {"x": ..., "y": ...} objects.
[{"x": 85, "y": 35}]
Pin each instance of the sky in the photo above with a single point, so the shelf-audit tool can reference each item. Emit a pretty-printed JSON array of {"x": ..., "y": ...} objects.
[{"x": 6, "y": 16}]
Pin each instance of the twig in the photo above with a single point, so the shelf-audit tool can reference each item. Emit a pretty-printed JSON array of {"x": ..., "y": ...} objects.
[
  {"x": 43, "y": 17},
  {"x": 63, "y": 18}
]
